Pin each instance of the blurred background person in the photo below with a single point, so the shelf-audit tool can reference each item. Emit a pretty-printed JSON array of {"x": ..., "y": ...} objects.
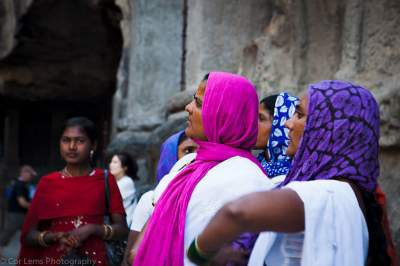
[
  {"x": 124, "y": 169},
  {"x": 173, "y": 149},
  {"x": 18, "y": 204}
]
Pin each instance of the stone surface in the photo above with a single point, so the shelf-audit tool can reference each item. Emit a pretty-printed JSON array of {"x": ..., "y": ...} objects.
[
  {"x": 10, "y": 12},
  {"x": 155, "y": 61},
  {"x": 64, "y": 49},
  {"x": 389, "y": 105},
  {"x": 389, "y": 180},
  {"x": 134, "y": 143},
  {"x": 217, "y": 31},
  {"x": 178, "y": 101}
]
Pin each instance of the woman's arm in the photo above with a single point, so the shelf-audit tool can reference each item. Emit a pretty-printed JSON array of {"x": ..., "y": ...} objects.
[
  {"x": 278, "y": 210},
  {"x": 133, "y": 235},
  {"x": 117, "y": 230},
  {"x": 36, "y": 238},
  {"x": 23, "y": 202},
  {"x": 136, "y": 244},
  {"x": 119, "y": 226}
]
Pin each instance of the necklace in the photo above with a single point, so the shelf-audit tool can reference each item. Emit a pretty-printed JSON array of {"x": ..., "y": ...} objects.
[{"x": 66, "y": 174}]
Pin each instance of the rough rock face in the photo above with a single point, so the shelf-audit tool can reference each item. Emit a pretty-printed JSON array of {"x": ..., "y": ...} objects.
[
  {"x": 217, "y": 32},
  {"x": 10, "y": 12},
  {"x": 63, "y": 49}
]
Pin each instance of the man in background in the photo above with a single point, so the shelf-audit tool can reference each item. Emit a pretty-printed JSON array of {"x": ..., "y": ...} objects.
[{"x": 18, "y": 204}]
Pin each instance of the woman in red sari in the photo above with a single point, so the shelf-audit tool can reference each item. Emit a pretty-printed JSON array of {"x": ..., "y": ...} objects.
[{"x": 68, "y": 209}]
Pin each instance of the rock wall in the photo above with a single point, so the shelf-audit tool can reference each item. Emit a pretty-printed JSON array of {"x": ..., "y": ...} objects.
[
  {"x": 10, "y": 12},
  {"x": 217, "y": 32},
  {"x": 62, "y": 49}
]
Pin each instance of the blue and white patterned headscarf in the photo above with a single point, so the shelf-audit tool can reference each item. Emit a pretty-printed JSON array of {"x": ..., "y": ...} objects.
[{"x": 279, "y": 163}]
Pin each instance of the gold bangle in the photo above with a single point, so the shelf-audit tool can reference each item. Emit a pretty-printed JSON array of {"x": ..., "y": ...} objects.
[
  {"x": 106, "y": 231},
  {"x": 41, "y": 239},
  {"x": 111, "y": 232}
]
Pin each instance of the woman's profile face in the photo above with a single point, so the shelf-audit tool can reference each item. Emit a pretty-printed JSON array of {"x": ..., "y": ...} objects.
[
  {"x": 75, "y": 146},
  {"x": 115, "y": 166},
  {"x": 296, "y": 126},
  {"x": 194, "y": 127},
  {"x": 264, "y": 127},
  {"x": 185, "y": 147}
]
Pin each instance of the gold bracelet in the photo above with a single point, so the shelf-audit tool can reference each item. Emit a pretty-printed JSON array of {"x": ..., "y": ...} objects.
[
  {"x": 111, "y": 230},
  {"x": 41, "y": 239},
  {"x": 106, "y": 231}
]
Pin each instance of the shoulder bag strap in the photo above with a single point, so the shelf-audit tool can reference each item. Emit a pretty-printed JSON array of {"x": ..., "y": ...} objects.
[{"x": 107, "y": 190}]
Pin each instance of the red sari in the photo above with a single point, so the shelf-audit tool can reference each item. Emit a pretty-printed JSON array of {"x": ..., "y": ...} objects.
[{"x": 63, "y": 204}]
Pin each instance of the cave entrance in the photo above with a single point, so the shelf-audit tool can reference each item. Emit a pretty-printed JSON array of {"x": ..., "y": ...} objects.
[
  {"x": 30, "y": 132},
  {"x": 64, "y": 64}
]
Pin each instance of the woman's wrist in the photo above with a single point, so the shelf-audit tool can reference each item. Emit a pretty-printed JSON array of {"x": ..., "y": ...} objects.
[
  {"x": 197, "y": 254},
  {"x": 97, "y": 230},
  {"x": 108, "y": 232},
  {"x": 41, "y": 238},
  {"x": 50, "y": 238}
]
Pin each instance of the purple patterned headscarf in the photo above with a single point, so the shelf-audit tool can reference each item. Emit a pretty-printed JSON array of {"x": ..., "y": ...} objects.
[{"x": 340, "y": 137}]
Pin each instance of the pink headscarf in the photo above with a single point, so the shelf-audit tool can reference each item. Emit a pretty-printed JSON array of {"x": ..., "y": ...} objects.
[{"x": 229, "y": 114}]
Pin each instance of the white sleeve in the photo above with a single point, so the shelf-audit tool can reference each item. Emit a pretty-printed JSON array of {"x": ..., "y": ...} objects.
[
  {"x": 178, "y": 166},
  {"x": 143, "y": 211},
  {"x": 145, "y": 206},
  {"x": 127, "y": 190},
  {"x": 335, "y": 229}
]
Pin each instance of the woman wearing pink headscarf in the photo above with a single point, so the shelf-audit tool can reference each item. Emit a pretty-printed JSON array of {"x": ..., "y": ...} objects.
[{"x": 224, "y": 169}]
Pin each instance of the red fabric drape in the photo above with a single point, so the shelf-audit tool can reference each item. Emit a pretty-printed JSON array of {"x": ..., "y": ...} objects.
[{"x": 381, "y": 199}]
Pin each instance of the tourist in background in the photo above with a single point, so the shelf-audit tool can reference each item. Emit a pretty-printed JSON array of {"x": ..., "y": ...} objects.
[
  {"x": 173, "y": 149},
  {"x": 18, "y": 203},
  {"x": 124, "y": 169}
]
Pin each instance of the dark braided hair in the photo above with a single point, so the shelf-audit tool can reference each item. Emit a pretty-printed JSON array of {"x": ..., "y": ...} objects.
[{"x": 377, "y": 247}]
